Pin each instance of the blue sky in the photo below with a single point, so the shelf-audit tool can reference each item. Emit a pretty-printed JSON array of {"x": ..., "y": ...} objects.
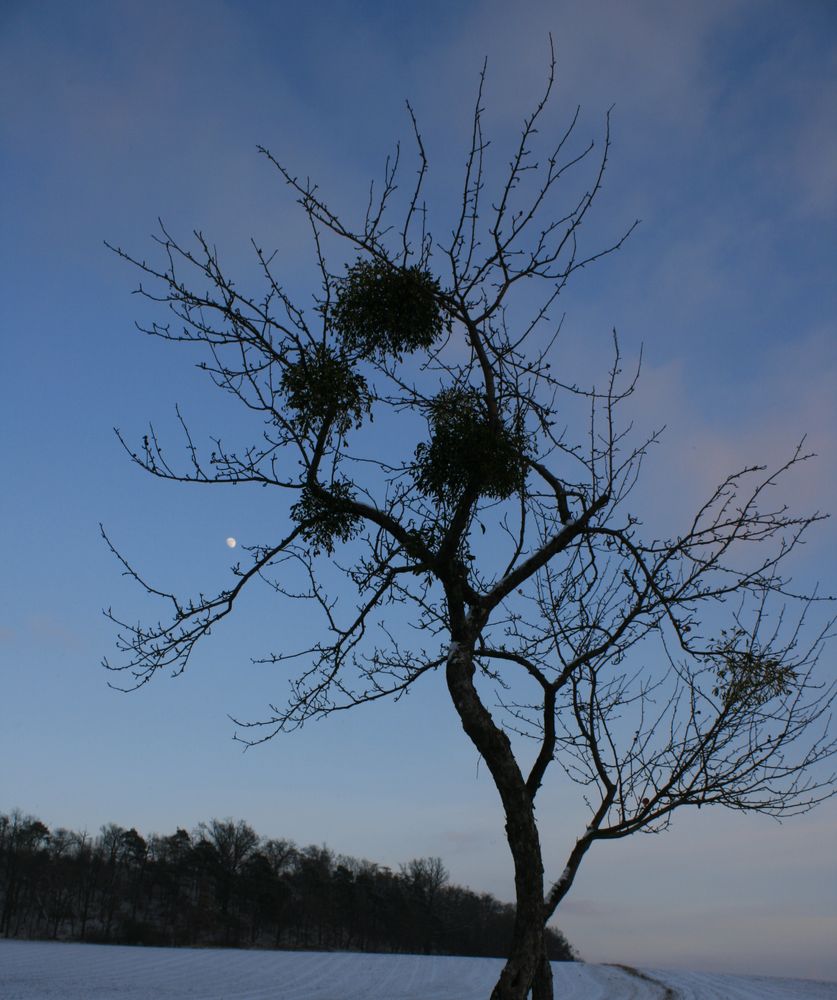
[{"x": 112, "y": 114}]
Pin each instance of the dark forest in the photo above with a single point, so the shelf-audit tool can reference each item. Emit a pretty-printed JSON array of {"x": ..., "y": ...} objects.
[{"x": 224, "y": 885}]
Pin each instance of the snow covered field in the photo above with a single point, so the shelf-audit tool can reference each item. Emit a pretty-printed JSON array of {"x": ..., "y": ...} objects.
[{"x": 32, "y": 970}]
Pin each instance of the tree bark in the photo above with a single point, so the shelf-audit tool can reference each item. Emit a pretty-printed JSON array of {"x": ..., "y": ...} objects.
[
  {"x": 527, "y": 955},
  {"x": 542, "y": 988}
]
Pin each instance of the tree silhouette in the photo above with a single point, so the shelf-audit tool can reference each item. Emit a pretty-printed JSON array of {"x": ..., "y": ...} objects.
[
  {"x": 224, "y": 885},
  {"x": 495, "y": 516}
]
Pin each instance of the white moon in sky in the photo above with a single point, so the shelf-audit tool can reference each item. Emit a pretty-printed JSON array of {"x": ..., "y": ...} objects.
[{"x": 231, "y": 543}]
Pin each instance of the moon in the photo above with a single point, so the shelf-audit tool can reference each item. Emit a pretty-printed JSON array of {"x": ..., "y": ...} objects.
[{"x": 231, "y": 543}]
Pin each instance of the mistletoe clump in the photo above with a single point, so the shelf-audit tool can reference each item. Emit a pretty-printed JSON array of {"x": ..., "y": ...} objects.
[
  {"x": 749, "y": 675},
  {"x": 469, "y": 452},
  {"x": 324, "y": 516},
  {"x": 321, "y": 387},
  {"x": 384, "y": 311}
]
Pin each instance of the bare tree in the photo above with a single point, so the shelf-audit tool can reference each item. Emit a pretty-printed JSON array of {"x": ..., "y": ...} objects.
[{"x": 657, "y": 672}]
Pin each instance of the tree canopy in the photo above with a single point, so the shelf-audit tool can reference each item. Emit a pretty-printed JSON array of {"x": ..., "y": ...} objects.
[{"x": 222, "y": 884}]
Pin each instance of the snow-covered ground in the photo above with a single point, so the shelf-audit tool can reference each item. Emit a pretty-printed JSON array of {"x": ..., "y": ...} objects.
[{"x": 32, "y": 970}]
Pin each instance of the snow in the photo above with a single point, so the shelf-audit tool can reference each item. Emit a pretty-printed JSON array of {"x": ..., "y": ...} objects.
[
  {"x": 565, "y": 874},
  {"x": 36, "y": 970},
  {"x": 709, "y": 986}
]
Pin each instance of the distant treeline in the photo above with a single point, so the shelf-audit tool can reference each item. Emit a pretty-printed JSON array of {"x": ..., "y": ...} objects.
[{"x": 224, "y": 885}]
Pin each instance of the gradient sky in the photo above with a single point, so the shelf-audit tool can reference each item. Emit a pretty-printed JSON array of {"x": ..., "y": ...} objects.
[{"x": 112, "y": 114}]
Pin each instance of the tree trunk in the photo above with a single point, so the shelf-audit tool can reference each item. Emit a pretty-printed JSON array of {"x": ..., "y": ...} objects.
[
  {"x": 525, "y": 962},
  {"x": 527, "y": 948},
  {"x": 542, "y": 983}
]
